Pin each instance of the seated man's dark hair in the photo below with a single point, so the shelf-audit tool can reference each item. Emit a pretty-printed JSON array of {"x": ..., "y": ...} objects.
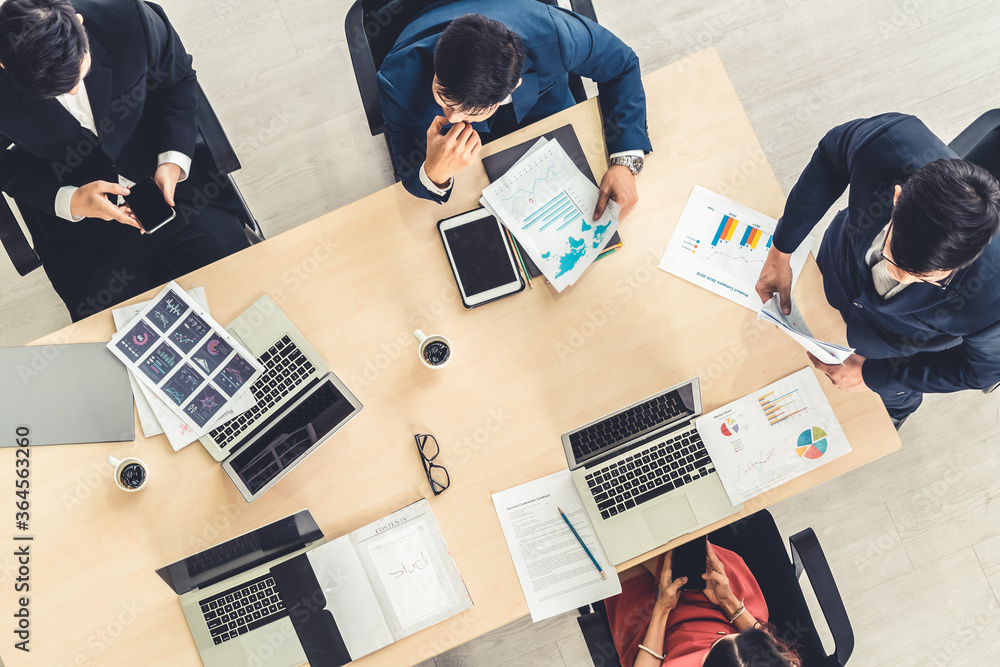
[
  {"x": 477, "y": 62},
  {"x": 944, "y": 218},
  {"x": 752, "y": 648},
  {"x": 42, "y": 45}
]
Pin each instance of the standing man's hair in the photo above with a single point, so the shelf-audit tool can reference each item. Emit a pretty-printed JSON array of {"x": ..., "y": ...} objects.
[
  {"x": 477, "y": 62},
  {"x": 945, "y": 216},
  {"x": 42, "y": 45}
]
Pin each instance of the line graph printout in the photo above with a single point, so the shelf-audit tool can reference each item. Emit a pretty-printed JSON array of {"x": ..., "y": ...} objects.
[
  {"x": 773, "y": 435},
  {"x": 721, "y": 245},
  {"x": 547, "y": 204}
]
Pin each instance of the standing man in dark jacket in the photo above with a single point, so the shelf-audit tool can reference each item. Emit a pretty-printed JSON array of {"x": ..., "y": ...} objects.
[
  {"x": 911, "y": 263},
  {"x": 96, "y": 96}
]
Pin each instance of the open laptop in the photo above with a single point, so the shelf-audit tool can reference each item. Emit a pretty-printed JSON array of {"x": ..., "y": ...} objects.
[
  {"x": 236, "y": 613},
  {"x": 300, "y": 403},
  {"x": 644, "y": 474}
]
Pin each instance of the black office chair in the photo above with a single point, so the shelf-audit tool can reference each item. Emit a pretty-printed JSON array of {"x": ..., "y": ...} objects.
[
  {"x": 372, "y": 28},
  {"x": 210, "y": 135},
  {"x": 757, "y": 541},
  {"x": 980, "y": 144}
]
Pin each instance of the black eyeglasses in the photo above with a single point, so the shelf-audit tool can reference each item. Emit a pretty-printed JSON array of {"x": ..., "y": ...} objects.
[
  {"x": 943, "y": 286},
  {"x": 437, "y": 475}
]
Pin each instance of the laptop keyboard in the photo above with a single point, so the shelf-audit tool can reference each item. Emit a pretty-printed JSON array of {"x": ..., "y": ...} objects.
[
  {"x": 627, "y": 424},
  {"x": 242, "y": 608},
  {"x": 285, "y": 368},
  {"x": 649, "y": 473}
]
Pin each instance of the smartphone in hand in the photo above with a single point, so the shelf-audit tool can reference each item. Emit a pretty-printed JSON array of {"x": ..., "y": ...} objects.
[
  {"x": 147, "y": 204},
  {"x": 690, "y": 560}
]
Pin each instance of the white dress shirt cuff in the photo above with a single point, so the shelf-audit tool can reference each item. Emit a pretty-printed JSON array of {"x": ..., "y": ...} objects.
[
  {"x": 627, "y": 153},
  {"x": 63, "y": 198},
  {"x": 178, "y": 158},
  {"x": 430, "y": 185}
]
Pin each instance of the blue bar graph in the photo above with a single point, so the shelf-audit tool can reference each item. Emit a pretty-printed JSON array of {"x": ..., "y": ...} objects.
[{"x": 560, "y": 209}]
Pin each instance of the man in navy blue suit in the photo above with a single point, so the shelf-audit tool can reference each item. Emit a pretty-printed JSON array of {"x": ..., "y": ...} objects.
[
  {"x": 912, "y": 263},
  {"x": 463, "y": 73}
]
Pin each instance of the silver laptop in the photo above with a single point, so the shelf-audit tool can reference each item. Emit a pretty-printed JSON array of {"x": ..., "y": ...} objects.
[
  {"x": 235, "y": 610},
  {"x": 300, "y": 403},
  {"x": 63, "y": 395},
  {"x": 644, "y": 474}
]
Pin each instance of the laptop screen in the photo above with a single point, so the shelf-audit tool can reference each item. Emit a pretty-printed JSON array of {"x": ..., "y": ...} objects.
[
  {"x": 242, "y": 553},
  {"x": 284, "y": 442}
]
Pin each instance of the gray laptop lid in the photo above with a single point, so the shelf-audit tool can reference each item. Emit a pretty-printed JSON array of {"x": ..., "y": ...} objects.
[{"x": 65, "y": 394}]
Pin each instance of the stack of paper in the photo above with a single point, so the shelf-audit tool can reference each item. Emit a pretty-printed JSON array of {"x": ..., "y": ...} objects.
[
  {"x": 794, "y": 326},
  {"x": 773, "y": 435},
  {"x": 547, "y": 204}
]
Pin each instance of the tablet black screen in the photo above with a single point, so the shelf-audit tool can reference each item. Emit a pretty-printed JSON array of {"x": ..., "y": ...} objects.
[{"x": 480, "y": 255}]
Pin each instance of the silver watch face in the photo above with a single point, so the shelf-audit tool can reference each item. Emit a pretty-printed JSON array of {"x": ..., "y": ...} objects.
[{"x": 633, "y": 162}]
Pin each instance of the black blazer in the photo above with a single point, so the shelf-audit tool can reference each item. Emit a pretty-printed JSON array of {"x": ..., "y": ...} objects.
[
  {"x": 923, "y": 339},
  {"x": 142, "y": 91}
]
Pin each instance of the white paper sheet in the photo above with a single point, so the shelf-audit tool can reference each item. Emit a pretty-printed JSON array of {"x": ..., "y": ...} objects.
[
  {"x": 407, "y": 568},
  {"x": 175, "y": 348},
  {"x": 721, "y": 245},
  {"x": 773, "y": 435},
  {"x": 547, "y": 204},
  {"x": 794, "y": 326},
  {"x": 555, "y": 572}
]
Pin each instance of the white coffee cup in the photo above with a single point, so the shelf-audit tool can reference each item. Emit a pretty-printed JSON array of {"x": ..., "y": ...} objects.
[
  {"x": 428, "y": 342},
  {"x": 120, "y": 467}
]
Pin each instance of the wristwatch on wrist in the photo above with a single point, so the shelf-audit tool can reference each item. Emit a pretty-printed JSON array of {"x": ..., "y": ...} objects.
[{"x": 633, "y": 162}]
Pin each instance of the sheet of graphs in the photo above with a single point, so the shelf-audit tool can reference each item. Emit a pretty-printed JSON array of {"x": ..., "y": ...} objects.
[
  {"x": 773, "y": 435},
  {"x": 175, "y": 348},
  {"x": 548, "y": 204},
  {"x": 721, "y": 245}
]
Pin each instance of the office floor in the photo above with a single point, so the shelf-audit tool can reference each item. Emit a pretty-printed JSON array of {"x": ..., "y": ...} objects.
[{"x": 913, "y": 539}]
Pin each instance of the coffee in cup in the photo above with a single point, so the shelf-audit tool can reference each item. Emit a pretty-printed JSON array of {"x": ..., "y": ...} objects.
[
  {"x": 130, "y": 473},
  {"x": 434, "y": 351}
]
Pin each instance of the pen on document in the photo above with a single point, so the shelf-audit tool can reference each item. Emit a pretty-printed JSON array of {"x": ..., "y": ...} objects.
[
  {"x": 580, "y": 540},
  {"x": 517, "y": 251},
  {"x": 608, "y": 251}
]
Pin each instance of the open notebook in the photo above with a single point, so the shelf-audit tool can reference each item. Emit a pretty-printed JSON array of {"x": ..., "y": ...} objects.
[{"x": 365, "y": 590}]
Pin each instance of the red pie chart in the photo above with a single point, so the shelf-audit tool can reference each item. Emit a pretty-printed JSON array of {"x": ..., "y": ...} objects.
[
  {"x": 729, "y": 427},
  {"x": 811, "y": 443}
]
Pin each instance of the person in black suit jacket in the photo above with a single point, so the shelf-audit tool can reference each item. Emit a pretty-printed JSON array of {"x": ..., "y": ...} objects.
[
  {"x": 911, "y": 263},
  {"x": 96, "y": 96}
]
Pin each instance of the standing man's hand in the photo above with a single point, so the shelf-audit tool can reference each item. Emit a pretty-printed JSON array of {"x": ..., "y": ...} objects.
[
  {"x": 91, "y": 201},
  {"x": 846, "y": 376},
  {"x": 450, "y": 153},
  {"x": 776, "y": 276},
  {"x": 166, "y": 177},
  {"x": 618, "y": 184}
]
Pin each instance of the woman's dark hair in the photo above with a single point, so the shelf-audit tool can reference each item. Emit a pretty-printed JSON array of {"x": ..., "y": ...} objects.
[
  {"x": 42, "y": 45},
  {"x": 477, "y": 62},
  {"x": 945, "y": 216},
  {"x": 752, "y": 648}
]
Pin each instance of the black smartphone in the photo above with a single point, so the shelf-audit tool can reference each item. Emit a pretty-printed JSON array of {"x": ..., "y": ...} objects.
[
  {"x": 147, "y": 203},
  {"x": 690, "y": 560}
]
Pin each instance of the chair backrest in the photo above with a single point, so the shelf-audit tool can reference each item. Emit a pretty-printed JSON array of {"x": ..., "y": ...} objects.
[
  {"x": 979, "y": 143},
  {"x": 372, "y": 28}
]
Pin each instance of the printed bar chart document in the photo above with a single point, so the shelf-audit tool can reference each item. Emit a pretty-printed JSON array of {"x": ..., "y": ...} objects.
[
  {"x": 721, "y": 245},
  {"x": 547, "y": 204},
  {"x": 773, "y": 435},
  {"x": 556, "y": 574}
]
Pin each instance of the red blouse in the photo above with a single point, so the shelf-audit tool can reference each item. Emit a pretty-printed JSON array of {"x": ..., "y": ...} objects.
[{"x": 694, "y": 624}]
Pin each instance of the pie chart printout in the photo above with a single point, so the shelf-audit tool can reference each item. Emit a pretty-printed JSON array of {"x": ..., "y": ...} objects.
[
  {"x": 729, "y": 427},
  {"x": 811, "y": 443}
]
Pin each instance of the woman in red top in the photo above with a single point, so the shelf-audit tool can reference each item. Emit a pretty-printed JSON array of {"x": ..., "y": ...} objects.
[{"x": 724, "y": 626}]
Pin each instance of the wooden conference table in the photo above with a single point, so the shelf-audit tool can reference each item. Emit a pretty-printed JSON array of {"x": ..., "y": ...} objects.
[{"x": 526, "y": 369}]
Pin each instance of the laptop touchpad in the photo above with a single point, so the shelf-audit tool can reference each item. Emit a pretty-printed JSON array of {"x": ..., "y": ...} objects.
[{"x": 670, "y": 518}]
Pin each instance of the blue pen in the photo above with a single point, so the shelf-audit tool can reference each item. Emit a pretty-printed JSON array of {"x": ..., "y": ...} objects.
[{"x": 580, "y": 540}]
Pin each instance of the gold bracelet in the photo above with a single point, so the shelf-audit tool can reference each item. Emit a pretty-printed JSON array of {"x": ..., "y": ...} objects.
[
  {"x": 739, "y": 612},
  {"x": 652, "y": 653}
]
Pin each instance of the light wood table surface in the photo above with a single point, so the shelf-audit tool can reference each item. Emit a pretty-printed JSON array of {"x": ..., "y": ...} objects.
[{"x": 526, "y": 369}]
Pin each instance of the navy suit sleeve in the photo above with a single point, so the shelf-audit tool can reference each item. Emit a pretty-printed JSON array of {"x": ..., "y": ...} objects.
[
  {"x": 592, "y": 51},
  {"x": 974, "y": 364},
  {"x": 28, "y": 178},
  {"x": 407, "y": 140},
  {"x": 172, "y": 82}
]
